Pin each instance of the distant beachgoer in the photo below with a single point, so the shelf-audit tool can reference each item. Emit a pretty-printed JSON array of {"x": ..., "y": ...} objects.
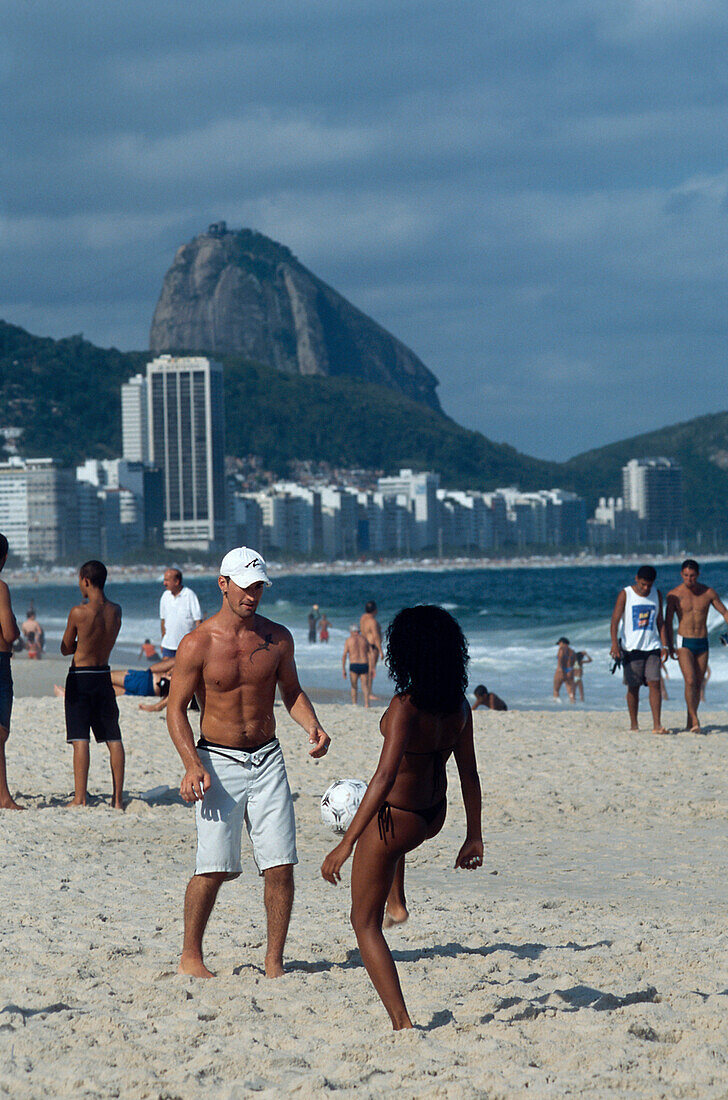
[
  {"x": 581, "y": 658},
  {"x": 235, "y": 773},
  {"x": 370, "y": 628},
  {"x": 149, "y": 650},
  {"x": 489, "y": 699},
  {"x": 90, "y": 702},
  {"x": 9, "y": 633},
  {"x": 639, "y": 642},
  {"x": 691, "y": 601},
  {"x": 313, "y": 618},
  {"x": 179, "y": 612},
  {"x": 324, "y": 629},
  {"x": 32, "y": 626},
  {"x": 428, "y": 720},
  {"x": 33, "y": 646},
  {"x": 564, "y": 674},
  {"x": 356, "y": 649}
]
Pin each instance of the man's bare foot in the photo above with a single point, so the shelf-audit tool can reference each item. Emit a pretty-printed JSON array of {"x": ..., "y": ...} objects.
[
  {"x": 393, "y": 917},
  {"x": 74, "y": 804},
  {"x": 117, "y": 805},
  {"x": 10, "y": 804},
  {"x": 661, "y": 730},
  {"x": 695, "y": 729},
  {"x": 194, "y": 967},
  {"x": 634, "y": 729},
  {"x": 58, "y": 691},
  {"x": 274, "y": 968},
  {"x": 374, "y": 697},
  {"x": 404, "y": 1024}
]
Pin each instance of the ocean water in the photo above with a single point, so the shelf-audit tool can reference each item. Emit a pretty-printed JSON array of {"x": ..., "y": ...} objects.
[{"x": 511, "y": 617}]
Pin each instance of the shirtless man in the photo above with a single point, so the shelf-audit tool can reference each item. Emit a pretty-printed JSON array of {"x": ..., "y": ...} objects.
[
  {"x": 691, "y": 601},
  {"x": 356, "y": 648},
  {"x": 489, "y": 699},
  {"x": 90, "y": 702},
  {"x": 31, "y": 626},
  {"x": 9, "y": 633},
  {"x": 233, "y": 662},
  {"x": 370, "y": 628},
  {"x": 154, "y": 680},
  {"x": 564, "y": 674}
]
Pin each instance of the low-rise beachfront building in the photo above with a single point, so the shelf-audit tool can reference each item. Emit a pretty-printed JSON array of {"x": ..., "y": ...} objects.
[
  {"x": 38, "y": 510},
  {"x": 614, "y": 527},
  {"x": 420, "y": 491}
]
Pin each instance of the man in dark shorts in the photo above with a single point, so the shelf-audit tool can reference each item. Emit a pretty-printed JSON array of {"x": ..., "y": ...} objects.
[
  {"x": 9, "y": 633},
  {"x": 691, "y": 601},
  {"x": 372, "y": 631},
  {"x": 90, "y": 702},
  {"x": 356, "y": 648},
  {"x": 639, "y": 642}
]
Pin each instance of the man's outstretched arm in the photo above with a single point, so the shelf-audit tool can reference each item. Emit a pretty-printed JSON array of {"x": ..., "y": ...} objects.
[{"x": 297, "y": 703}]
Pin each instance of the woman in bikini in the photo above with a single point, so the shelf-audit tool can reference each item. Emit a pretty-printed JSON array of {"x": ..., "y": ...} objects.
[{"x": 428, "y": 719}]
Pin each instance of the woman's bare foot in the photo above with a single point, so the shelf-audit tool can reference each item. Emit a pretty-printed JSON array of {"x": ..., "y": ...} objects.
[
  {"x": 274, "y": 968},
  {"x": 194, "y": 967},
  {"x": 394, "y": 916},
  {"x": 10, "y": 804}
]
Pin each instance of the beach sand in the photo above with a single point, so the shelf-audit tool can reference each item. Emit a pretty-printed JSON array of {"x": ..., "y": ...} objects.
[{"x": 587, "y": 957}]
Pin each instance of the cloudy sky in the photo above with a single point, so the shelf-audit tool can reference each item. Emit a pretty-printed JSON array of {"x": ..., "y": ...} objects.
[{"x": 532, "y": 196}]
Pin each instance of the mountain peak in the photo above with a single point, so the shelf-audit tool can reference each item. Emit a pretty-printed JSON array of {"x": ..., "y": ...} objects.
[{"x": 238, "y": 292}]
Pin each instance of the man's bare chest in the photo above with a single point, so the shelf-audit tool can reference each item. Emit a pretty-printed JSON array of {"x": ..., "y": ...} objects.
[
  {"x": 695, "y": 603},
  {"x": 254, "y": 662}
]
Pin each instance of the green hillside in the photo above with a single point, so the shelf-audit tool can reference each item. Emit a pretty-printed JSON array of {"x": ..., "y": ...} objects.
[
  {"x": 700, "y": 446},
  {"x": 65, "y": 394}
]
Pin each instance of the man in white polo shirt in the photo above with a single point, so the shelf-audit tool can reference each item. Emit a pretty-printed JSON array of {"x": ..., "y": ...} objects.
[{"x": 179, "y": 610}]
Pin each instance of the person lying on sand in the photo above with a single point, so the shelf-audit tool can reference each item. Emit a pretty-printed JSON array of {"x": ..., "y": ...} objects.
[{"x": 140, "y": 681}]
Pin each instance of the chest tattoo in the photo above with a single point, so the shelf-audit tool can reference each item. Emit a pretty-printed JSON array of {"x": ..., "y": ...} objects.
[{"x": 263, "y": 645}]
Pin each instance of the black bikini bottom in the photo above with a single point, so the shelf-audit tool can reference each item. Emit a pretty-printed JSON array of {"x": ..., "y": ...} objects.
[{"x": 384, "y": 817}]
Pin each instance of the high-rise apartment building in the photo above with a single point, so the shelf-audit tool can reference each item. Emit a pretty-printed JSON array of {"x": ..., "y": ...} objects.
[
  {"x": 187, "y": 442},
  {"x": 135, "y": 420},
  {"x": 652, "y": 487}
]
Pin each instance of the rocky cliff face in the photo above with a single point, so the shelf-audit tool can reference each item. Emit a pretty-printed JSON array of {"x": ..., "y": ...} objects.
[{"x": 240, "y": 293}]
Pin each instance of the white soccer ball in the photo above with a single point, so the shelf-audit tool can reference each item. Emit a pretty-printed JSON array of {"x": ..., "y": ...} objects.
[{"x": 340, "y": 803}]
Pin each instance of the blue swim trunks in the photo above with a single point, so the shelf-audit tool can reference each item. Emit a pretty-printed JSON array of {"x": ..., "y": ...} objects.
[
  {"x": 6, "y": 691},
  {"x": 139, "y": 681}
]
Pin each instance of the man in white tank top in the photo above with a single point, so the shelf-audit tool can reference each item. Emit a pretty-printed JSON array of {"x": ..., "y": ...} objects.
[{"x": 639, "y": 641}]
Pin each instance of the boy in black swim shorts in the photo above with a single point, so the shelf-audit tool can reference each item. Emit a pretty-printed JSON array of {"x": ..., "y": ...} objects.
[{"x": 90, "y": 701}]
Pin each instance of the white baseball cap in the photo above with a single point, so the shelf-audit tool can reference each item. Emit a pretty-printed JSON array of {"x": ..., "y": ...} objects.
[{"x": 244, "y": 567}]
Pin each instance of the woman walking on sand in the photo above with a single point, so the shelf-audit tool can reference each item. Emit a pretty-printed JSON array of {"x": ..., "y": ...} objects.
[{"x": 405, "y": 804}]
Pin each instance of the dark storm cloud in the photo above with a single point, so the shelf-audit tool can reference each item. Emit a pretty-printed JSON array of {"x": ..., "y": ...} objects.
[{"x": 533, "y": 197}]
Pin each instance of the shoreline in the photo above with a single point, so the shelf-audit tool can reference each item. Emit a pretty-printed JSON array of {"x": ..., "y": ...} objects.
[{"x": 139, "y": 573}]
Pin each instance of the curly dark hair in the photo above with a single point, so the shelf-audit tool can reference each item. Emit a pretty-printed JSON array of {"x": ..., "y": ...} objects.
[{"x": 427, "y": 657}]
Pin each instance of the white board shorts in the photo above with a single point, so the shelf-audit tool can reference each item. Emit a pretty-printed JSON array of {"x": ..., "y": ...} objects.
[{"x": 250, "y": 788}]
